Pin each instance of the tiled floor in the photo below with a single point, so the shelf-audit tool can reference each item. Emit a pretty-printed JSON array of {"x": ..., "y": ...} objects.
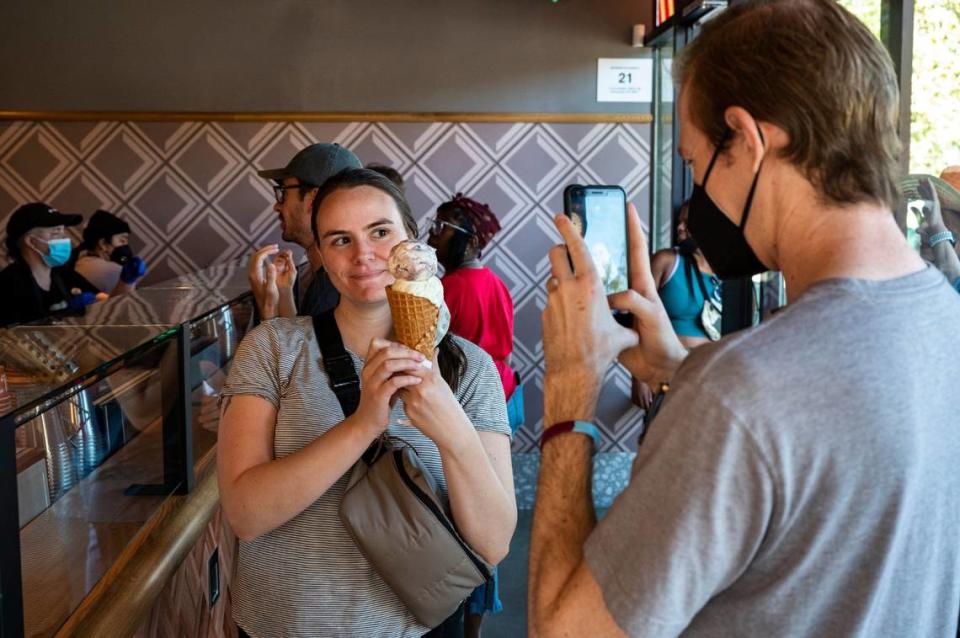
[{"x": 512, "y": 622}]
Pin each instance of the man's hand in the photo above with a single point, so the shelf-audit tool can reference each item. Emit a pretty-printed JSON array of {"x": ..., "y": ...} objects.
[
  {"x": 580, "y": 336},
  {"x": 262, "y": 274},
  {"x": 286, "y": 270},
  {"x": 658, "y": 352}
]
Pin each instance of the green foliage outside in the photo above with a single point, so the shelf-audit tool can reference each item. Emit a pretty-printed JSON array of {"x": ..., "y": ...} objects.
[{"x": 935, "y": 99}]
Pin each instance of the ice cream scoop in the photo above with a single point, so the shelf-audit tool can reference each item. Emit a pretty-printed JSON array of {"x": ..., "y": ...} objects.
[
  {"x": 420, "y": 317},
  {"x": 412, "y": 260}
]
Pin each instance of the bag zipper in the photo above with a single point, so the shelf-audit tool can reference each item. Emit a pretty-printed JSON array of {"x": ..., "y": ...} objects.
[{"x": 440, "y": 516}]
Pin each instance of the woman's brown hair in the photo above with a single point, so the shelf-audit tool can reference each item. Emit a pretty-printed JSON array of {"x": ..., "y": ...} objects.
[{"x": 451, "y": 358}]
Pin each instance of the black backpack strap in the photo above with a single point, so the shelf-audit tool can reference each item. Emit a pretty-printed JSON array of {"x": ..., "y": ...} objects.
[
  {"x": 343, "y": 375},
  {"x": 337, "y": 362}
]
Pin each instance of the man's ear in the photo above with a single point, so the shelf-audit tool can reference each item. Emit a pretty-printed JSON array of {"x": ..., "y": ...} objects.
[
  {"x": 307, "y": 202},
  {"x": 309, "y": 197},
  {"x": 746, "y": 134},
  {"x": 25, "y": 243}
]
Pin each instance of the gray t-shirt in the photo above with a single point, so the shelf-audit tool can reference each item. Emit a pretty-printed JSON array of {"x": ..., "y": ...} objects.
[
  {"x": 307, "y": 577},
  {"x": 801, "y": 479}
]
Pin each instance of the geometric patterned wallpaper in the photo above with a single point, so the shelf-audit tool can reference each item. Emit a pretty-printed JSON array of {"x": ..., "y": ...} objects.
[{"x": 192, "y": 197}]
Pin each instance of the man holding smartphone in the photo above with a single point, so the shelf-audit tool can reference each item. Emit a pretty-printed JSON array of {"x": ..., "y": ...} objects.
[{"x": 800, "y": 478}]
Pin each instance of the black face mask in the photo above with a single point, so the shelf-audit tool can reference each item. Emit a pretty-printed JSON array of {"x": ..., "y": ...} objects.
[
  {"x": 121, "y": 254},
  {"x": 721, "y": 241}
]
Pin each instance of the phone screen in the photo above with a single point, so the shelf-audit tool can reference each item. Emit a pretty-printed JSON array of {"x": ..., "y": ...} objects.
[{"x": 600, "y": 212}]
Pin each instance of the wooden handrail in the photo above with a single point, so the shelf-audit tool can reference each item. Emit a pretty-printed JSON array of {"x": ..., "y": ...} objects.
[{"x": 121, "y": 601}]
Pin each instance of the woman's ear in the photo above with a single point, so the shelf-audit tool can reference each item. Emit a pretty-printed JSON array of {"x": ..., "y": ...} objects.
[{"x": 315, "y": 249}]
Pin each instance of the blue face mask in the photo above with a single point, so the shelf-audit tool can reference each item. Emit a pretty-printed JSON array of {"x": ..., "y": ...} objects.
[{"x": 58, "y": 252}]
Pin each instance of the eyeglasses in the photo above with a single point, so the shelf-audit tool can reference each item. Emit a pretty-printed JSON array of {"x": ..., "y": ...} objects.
[
  {"x": 435, "y": 226},
  {"x": 279, "y": 191}
]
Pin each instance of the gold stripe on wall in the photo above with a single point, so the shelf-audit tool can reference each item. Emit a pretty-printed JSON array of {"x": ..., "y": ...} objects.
[{"x": 184, "y": 116}]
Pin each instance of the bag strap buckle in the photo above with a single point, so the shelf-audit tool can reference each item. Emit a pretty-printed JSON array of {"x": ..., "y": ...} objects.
[{"x": 341, "y": 370}]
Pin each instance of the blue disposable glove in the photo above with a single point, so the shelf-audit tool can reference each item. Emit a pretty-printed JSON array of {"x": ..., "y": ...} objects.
[
  {"x": 133, "y": 270},
  {"x": 79, "y": 301}
]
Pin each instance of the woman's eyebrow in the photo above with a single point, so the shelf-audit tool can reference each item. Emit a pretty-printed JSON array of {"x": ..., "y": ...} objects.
[{"x": 380, "y": 222}]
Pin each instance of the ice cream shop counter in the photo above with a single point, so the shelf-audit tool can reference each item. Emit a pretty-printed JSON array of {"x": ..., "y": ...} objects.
[{"x": 109, "y": 517}]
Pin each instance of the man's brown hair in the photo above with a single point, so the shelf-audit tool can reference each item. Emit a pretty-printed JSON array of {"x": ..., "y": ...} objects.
[{"x": 814, "y": 70}]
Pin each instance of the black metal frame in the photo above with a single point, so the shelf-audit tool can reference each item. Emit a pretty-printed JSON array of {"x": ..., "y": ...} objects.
[
  {"x": 11, "y": 583},
  {"x": 178, "y": 475},
  {"x": 896, "y": 33},
  {"x": 687, "y": 11},
  {"x": 177, "y": 468}
]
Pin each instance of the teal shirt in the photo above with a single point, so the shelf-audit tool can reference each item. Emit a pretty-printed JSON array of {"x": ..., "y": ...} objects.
[{"x": 683, "y": 299}]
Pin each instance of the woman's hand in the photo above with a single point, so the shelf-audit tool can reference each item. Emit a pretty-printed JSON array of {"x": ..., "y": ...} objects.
[
  {"x": 641, "y": 394},
  {"x": 389, "y": 368},
  {"x": 432, "y": 407}
]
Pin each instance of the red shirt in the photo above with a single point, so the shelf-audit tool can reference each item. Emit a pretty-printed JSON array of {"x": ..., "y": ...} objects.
[{"x": 481, "y": 311}]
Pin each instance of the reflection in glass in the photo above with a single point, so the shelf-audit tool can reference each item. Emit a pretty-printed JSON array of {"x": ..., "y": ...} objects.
[
  {"x": 93, "y": 400},
  {"x": 661, "y": 209}
]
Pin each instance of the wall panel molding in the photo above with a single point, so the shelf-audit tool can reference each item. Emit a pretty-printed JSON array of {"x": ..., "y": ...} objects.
[{"x": 173, "y": 116}]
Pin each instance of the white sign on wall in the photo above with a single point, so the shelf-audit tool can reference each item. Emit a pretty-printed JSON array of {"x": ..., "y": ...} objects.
[{"x": 624, "y": 79}]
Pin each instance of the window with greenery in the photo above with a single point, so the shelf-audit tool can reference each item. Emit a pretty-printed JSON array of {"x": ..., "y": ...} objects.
[
  {"x": 935, "y": 99},
  {"x": 935, "y": 91}
]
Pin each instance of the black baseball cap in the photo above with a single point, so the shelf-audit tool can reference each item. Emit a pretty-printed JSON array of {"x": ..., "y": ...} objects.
[
  {"x": 103, "y": 225},
  {"x": 315, "y": 164},
  {"x": 35, "y": 215},
  {"x": 38, "y": 215}
]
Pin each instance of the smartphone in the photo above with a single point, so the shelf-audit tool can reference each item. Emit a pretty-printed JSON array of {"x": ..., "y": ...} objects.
[{"x": 600, "y": 214}]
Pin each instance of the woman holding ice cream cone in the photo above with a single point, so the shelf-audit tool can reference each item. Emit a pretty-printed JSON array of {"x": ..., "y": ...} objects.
[{"x": 286, "y": 449}]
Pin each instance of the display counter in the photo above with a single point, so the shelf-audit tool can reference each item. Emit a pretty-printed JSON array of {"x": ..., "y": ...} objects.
[{"x": 107, "y": 425}]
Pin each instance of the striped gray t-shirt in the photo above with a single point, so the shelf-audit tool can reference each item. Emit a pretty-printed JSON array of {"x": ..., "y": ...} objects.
[{"x": 307, "y": 577}]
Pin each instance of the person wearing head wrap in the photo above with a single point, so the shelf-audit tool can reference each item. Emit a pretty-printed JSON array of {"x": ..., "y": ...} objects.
[
  {"x": 481, "y": 311},
  {"x": 105, "y": 257}
]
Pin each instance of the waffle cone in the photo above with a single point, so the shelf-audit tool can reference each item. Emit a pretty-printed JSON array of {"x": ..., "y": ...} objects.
[{"x": 414, "y": 321}]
